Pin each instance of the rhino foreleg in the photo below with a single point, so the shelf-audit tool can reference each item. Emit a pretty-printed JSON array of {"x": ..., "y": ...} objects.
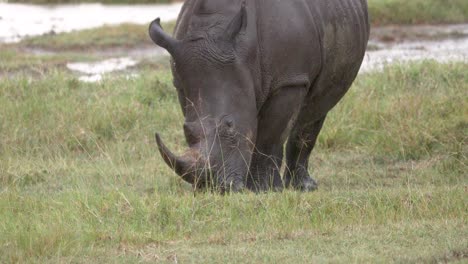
[
  {"x": 300, "y": 145},
  {"x": 275, "y": 121}
]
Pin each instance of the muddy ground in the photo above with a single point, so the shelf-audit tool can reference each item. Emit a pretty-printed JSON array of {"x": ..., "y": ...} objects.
[{"x": 394, "y": 44}]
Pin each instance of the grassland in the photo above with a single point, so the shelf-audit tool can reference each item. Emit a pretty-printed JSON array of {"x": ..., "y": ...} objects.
[
  {"x": 124, "y": 36},
  {"x": 80, "y": 179},
  {"x": 384, "y": 12}
]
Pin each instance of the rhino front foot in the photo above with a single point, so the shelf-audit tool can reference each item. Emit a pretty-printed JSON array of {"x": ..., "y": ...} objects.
[{"x": 300, "y": 180}]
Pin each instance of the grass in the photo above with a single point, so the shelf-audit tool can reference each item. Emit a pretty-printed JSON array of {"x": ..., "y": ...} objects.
[
  {"x": 107, "y": 37},
  {"x": 384, "y": 12},
  {"x": 81, "y": 180},
  {"x": 123, "y": 36}
]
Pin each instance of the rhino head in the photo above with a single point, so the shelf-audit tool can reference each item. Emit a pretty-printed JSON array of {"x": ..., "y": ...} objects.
[{"x": 212, "y": 68}]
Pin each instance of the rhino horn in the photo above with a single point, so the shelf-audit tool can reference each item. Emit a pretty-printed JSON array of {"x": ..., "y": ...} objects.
[
  {"x": 161, "y": 38},
  {"x": 184, "y": 166}
]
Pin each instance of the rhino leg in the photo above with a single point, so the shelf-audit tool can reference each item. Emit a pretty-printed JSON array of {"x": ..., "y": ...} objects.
[
  {"x": 265, "y": 168},
  {"x": 275, "y": 121},
  {"x": 300, "y": 145}
]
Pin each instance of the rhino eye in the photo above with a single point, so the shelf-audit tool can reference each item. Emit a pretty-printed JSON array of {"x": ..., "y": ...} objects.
[
  {"x": 229, "y": 123},
  {"x": 229, "y": 126}
]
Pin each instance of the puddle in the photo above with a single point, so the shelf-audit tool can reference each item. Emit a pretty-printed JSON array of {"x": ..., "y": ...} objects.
[
  {"x": 20, "y": 20},
  {"x": 391, "y": 34},
  {"x": 94, "y": 71},
  {"x": 441, "y": 51},
  {"x": 441, "y": 43}
]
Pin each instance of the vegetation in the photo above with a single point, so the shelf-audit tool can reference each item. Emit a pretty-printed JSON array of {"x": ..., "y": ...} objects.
[
  {"x": 418, "y": 11},
  {"x": 382, "y": 11},
  {"x": 81, "y": 180},
  {"x": 107, "y": 37},
  {"x": 122, "y": 36}
]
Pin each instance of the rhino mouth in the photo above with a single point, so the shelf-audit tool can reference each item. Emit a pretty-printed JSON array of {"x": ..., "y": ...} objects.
[{"x": 193, "y": 168}]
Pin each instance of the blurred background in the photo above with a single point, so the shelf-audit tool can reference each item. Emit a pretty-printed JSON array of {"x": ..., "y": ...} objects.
[{"x": 401, "y": 30}]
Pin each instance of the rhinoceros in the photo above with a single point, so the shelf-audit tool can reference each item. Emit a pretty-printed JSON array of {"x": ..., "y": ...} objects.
[{"x": 254, "y": 75}]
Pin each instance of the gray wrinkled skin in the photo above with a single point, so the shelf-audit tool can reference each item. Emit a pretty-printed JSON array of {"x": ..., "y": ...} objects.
[{"x": 251, "y": 74}]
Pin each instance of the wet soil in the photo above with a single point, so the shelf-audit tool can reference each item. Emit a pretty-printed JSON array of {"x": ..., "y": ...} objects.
[
  {"x": 395, "y": 44},
  {"x": 398, "y": 34}
]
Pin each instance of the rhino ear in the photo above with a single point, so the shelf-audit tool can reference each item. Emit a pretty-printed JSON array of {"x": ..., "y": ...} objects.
[
  {"x": 161, "y": 38},
  {"x": 238, "y": 25}
]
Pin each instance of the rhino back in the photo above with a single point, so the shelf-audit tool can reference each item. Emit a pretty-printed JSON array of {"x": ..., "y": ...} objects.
[
  {"x": 300, "y": 39},
  {"x": 212, "y": 11}
]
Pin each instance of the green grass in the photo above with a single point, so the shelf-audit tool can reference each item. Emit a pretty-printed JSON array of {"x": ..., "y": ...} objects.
[
  {"x": 123, "y": 36},
  {"x": 418, "y": 11},
  {"x": 81, "y": 180}
]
